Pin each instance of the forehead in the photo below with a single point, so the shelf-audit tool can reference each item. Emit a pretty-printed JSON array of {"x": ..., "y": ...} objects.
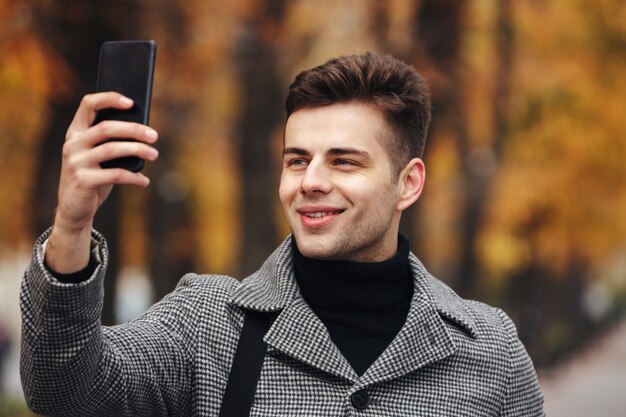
[{"x": 336, "y": 125}]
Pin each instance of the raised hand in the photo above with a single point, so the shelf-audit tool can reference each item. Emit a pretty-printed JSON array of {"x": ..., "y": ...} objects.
[{"x": 84, "y": 185}]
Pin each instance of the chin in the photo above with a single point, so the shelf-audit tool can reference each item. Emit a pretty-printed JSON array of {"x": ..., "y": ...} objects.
[
  {"x": 314, "y": 248},
  {"x": 311, "y": 252}
]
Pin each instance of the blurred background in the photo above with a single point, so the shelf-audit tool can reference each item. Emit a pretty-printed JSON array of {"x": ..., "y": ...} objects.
[{"x": 525, "y": 196}]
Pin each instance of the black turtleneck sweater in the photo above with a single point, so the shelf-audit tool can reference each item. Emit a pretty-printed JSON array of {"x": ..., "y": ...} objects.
[{"x": 363, "y": 305}]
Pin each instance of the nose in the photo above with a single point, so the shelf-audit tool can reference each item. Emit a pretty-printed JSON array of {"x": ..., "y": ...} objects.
[{"x": 315, "y": 179}]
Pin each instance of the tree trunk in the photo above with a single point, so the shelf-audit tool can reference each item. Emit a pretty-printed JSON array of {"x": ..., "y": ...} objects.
[
  {"x": 479, "y": 170},
  {"x": 171, "y": 233},
  {"x": 438, "y": 30},
  {"x": 261, "y": 113}
]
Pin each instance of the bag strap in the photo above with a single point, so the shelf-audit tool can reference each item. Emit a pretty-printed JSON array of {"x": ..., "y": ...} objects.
[{"x": 247, "y": 364}]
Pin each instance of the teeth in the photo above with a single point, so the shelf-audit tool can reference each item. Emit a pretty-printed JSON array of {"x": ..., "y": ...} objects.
[{"x": 319, "y": 214}]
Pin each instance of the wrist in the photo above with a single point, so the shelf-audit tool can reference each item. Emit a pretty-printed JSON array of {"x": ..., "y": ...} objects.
[
  {"x": 71, "y": 227},
  {"x": 68, "y": 248}
]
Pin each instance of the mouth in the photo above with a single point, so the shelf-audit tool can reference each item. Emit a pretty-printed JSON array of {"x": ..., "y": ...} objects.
[
  {"x": 320, "y": 214},
  {"x": 318, "y": 218}
]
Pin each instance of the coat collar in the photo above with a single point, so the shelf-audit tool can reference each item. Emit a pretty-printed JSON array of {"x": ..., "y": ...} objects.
[
  {"x": 300, "y": 334},
  {"x": 272, "y": 287}
]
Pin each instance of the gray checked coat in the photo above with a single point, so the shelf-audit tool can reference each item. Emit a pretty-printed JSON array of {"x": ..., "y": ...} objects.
[{"x": 452, "y": 357}]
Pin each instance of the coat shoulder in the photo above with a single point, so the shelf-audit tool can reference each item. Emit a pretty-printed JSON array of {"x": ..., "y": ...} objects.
[
  {"x": 200, "y": 299},
  {"x": 220, "y": 286},
  {"x": 478, "y": 319}
]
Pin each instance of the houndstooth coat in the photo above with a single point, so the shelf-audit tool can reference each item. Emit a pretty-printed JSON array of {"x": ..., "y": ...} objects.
[{"x": 451, "y": 358}]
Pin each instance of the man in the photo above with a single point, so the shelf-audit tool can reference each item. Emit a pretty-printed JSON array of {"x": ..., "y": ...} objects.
[{"x": 361, "y": 328}]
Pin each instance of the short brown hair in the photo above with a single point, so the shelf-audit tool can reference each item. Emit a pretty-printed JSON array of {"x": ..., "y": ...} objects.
[{"x": 390, "y": 85}]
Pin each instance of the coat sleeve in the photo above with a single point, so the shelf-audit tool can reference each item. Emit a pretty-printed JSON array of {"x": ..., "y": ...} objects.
[
  {"x": 72, "y": 366},
  {"x": 523, "y": 394}
]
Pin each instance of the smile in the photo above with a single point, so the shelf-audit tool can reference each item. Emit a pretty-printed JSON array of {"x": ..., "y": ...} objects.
[{"x": 318, "y": 214}]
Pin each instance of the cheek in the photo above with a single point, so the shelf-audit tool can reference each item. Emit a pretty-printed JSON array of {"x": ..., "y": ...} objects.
[
  {"x": 281, "y": 194},
  {"x": 365, "y": 189},
  {"x": 374, "y": 198},
  {"x": 285, "y": 190}
]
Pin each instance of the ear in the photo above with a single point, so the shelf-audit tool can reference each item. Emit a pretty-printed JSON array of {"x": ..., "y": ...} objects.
[{"x": 411, "y": 183}]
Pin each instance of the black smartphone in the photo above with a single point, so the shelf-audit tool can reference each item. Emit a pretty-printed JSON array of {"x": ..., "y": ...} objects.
[{"x": 127, "y": 67}]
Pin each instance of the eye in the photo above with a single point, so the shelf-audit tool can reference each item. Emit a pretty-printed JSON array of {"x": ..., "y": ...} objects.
[
  {"x": 296, "y": 162},
  {"x": 344, "y": 162}
]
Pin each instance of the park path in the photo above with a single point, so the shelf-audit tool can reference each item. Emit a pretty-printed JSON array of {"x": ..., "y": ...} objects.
[{"x": 592, "y": 383}]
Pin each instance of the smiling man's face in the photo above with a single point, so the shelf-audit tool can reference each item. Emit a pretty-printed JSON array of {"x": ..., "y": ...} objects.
[{"x": 337, "y": 187}]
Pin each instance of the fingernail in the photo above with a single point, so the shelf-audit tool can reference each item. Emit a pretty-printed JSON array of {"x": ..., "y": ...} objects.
[
  {"x": 146, "y": 180},
  {"x": 126, "y": 101},
  {"x": 151, "y": 133}
]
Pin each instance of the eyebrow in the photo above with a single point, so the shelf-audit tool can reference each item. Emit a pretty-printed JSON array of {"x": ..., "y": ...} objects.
[
  {"x": 296, "y": 151},
  {"x": 330, "y": 152}
]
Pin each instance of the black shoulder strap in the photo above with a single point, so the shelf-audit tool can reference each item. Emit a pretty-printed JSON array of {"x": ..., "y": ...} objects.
[{"x": 247, "y": 363}]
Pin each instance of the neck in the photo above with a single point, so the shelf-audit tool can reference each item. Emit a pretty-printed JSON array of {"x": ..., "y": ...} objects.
[{"x": 354, "y": 285}]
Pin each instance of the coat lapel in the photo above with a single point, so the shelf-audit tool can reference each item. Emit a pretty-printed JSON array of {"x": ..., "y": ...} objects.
[
  {"x": 299, "y": 333},
  {"x": 424, "y": 339}
]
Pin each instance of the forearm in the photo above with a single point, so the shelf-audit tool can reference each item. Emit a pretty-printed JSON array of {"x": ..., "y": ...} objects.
[
  {"x": 71, "y": 365},
  {"x": 61, "y": 336}
]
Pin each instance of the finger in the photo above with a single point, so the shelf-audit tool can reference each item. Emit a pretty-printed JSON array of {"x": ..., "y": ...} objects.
[
  {"x": 114, "y": 176},
  {"x": 91, "y": 103},
  {"x": 113, "y": 150},
  {"x": 111, "y": 129}
]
